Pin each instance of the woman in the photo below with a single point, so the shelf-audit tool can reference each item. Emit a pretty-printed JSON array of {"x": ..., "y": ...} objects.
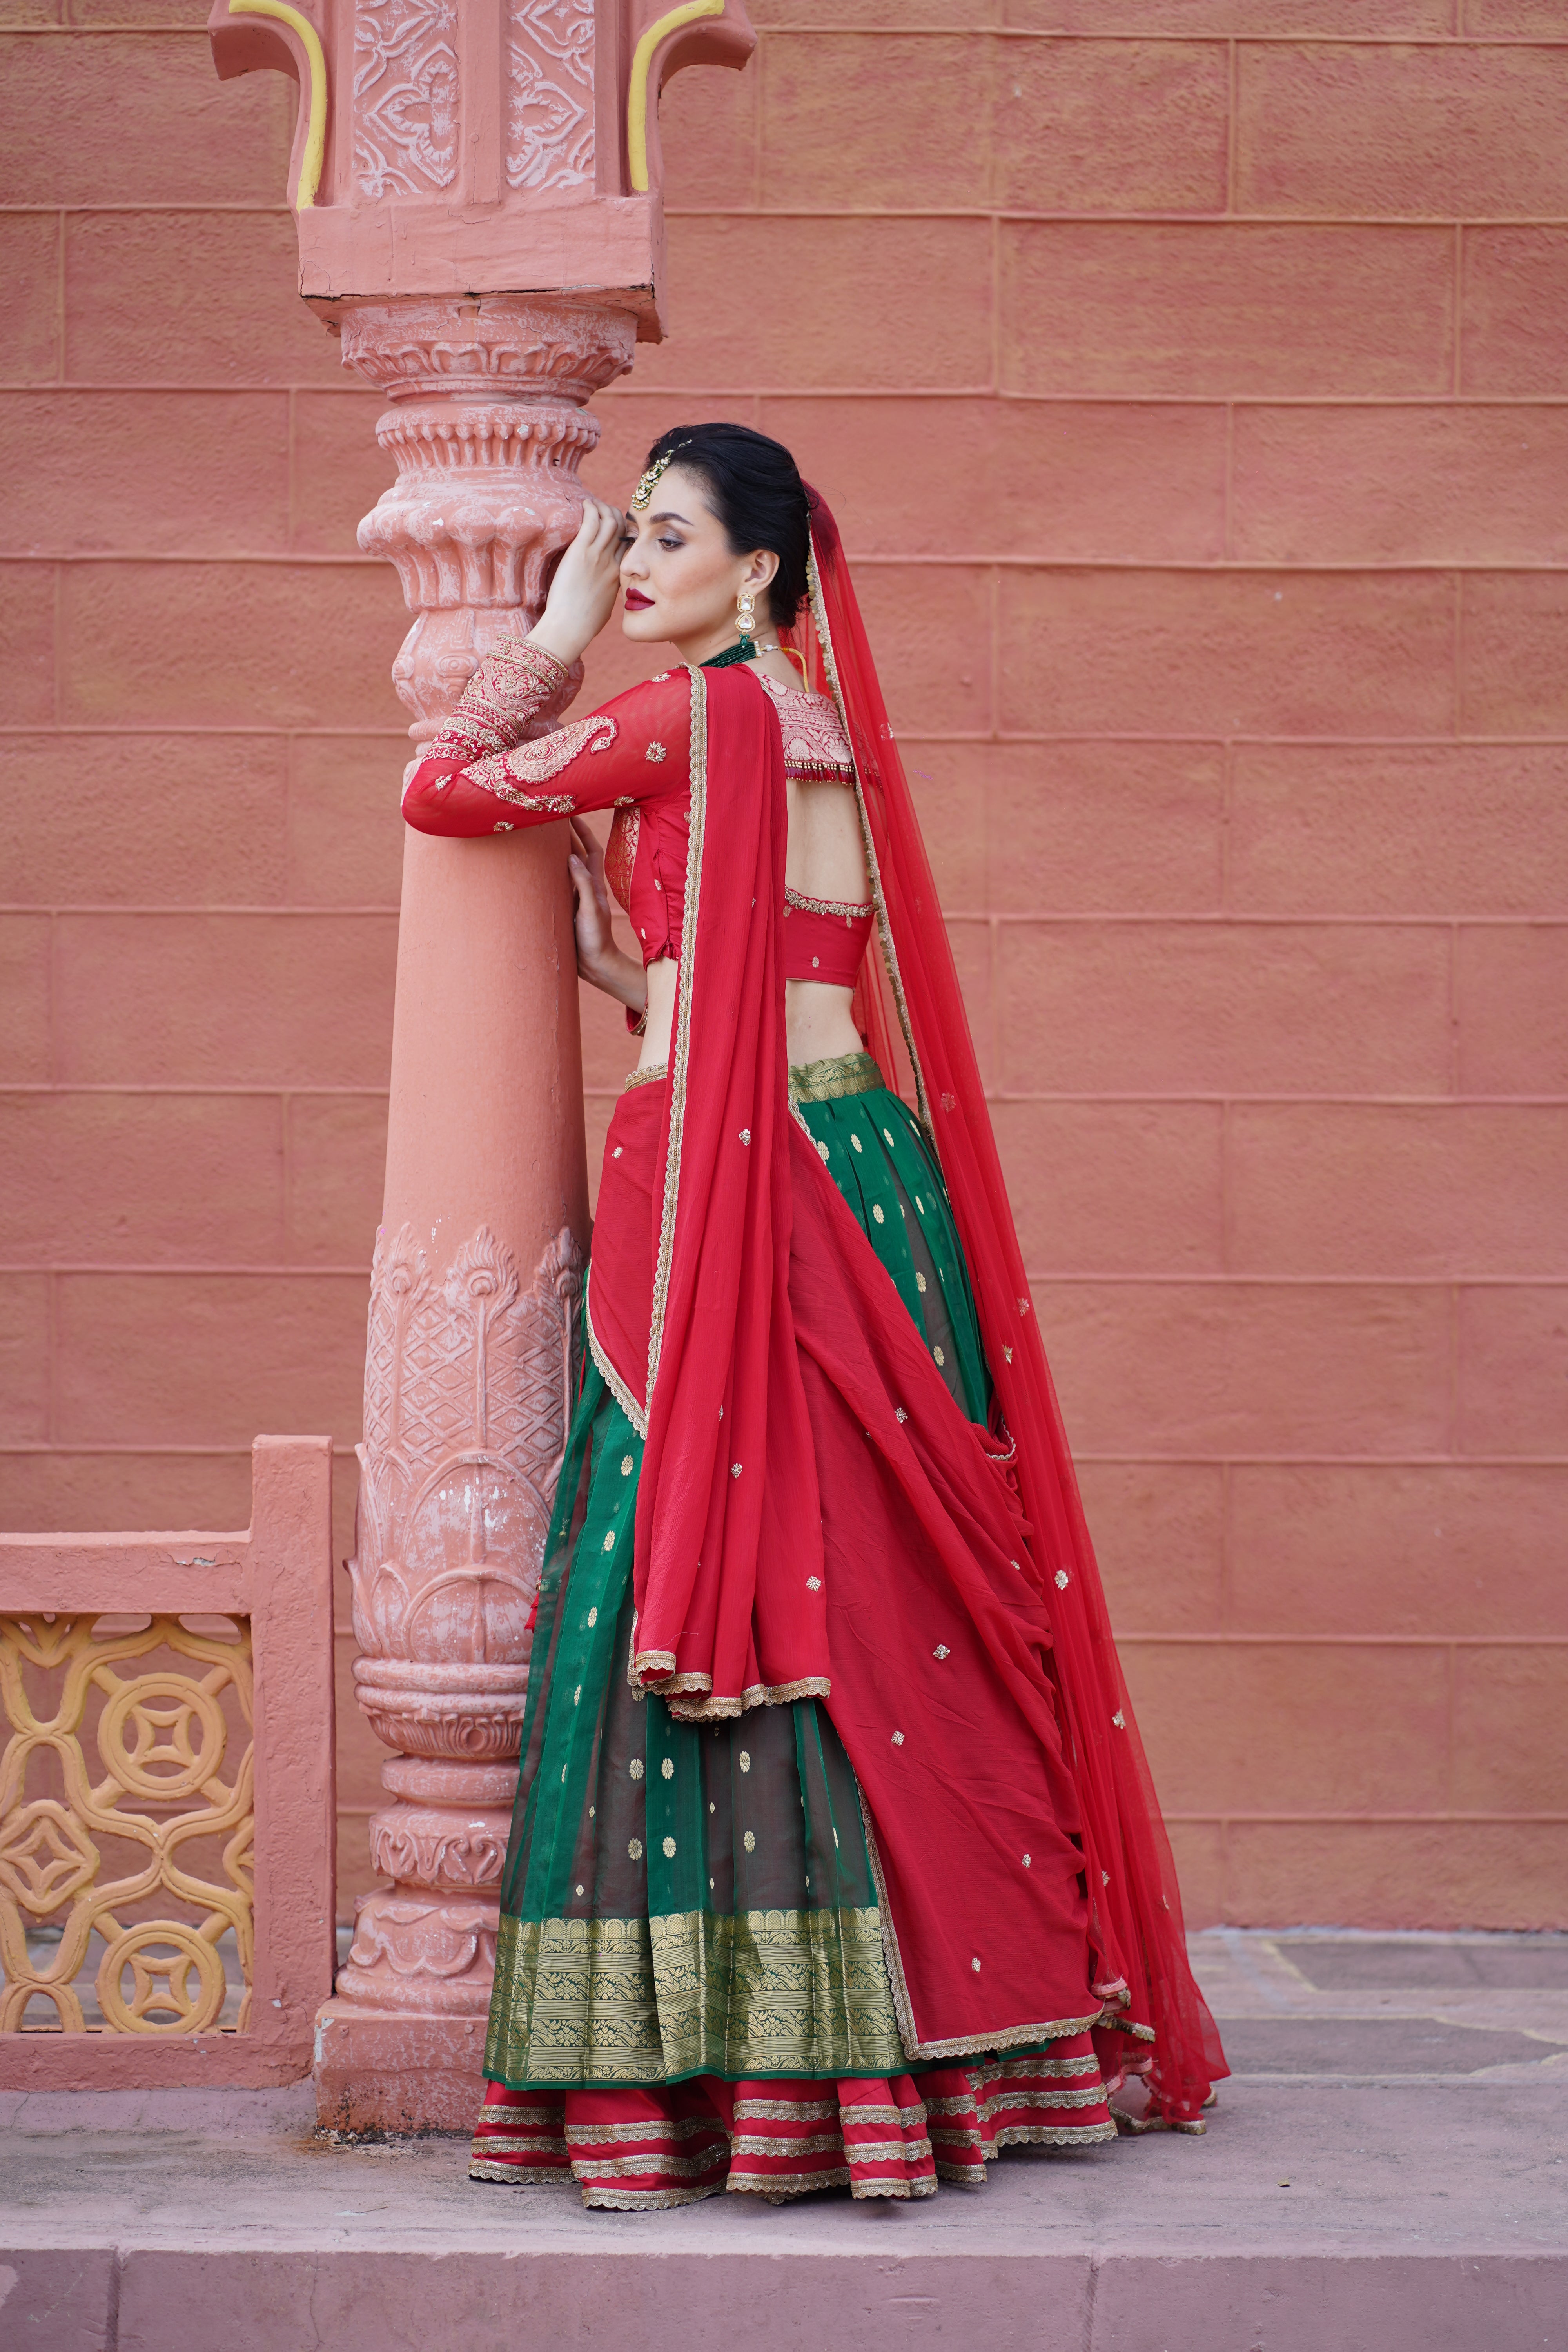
[{"x": 835, "y": 1858}]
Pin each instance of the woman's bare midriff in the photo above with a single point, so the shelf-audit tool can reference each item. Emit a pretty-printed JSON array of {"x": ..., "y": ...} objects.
[
  {"x": 816, "y": 1019},
  {"x": 825, "y": 859}
]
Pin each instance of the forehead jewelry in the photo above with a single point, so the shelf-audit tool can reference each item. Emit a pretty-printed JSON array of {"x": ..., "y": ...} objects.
[{"x": 644, "y": 489}]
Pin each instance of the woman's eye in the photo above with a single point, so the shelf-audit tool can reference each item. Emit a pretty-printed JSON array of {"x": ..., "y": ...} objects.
[{"x": 672, "y": 542}]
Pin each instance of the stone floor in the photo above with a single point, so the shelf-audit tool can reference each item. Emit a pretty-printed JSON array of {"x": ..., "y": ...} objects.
[{"x": 1387, "y": 2171}]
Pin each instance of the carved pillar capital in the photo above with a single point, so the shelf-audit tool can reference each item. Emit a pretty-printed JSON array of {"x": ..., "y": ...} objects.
[{"x": 486, "y": 432}]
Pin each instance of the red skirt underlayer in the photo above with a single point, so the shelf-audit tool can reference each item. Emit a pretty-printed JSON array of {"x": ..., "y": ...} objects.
[{"x": 896, "y": 2137}]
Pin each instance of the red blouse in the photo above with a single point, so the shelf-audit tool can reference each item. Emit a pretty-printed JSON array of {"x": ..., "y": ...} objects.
[{"x": 634, "y": 756}]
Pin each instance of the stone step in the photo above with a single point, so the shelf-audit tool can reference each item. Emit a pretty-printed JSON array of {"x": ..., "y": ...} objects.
[{"x": 1386, "y": 2215}]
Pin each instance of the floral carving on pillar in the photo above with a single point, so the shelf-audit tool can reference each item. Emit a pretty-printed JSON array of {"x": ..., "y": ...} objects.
[
  {"x": 549, "y": 94},
  {"x": 406, "y": 97},
  {"x": 467, "y": 1381}
]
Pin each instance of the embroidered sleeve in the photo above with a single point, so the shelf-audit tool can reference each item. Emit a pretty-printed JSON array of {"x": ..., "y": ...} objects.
[
  {"x": 512, "y": 692},
  {"x": 637, "y": 748},
  {"x": 509, "y": 774}
]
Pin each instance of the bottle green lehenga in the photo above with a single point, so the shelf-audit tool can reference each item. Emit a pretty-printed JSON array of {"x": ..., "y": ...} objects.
[{"x": 684, "y": 1899}]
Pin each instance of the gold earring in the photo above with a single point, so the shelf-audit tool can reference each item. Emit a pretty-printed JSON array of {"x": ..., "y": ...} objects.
[{"x": 746, "y": 618}]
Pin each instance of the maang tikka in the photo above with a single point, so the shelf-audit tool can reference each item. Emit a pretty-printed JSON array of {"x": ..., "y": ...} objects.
[{"x": 649, "y": 482}]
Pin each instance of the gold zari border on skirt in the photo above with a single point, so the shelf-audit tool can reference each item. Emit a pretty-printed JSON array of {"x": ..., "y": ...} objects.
[
  {"x": 651, "y": 2000},
  {"x": 840, "y": 1074}
]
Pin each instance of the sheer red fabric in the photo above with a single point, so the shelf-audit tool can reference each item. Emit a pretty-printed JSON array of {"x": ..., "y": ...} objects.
[
  {"x": 728, "y": 1525},
  {"x": 1135, "y": 1911}
]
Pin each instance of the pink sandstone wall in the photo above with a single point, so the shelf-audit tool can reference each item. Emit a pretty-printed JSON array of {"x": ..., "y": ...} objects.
[{"x": 1191, "y": 386}]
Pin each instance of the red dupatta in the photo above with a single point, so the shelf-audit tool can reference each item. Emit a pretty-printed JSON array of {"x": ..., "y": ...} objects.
[
  {"x": 1135, "y": 1913},
  {"x": 728, "y": 1580}
]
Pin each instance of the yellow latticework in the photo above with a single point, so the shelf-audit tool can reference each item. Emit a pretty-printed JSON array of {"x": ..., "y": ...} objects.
[{"x": 162, "y": 1807}]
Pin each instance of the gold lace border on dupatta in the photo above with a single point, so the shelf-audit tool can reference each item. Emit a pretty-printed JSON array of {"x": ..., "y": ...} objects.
[
  {"x": 623, "y": 2001},
  {"x": 645, "y": 1077},
  {"x": 840, "y": 1074}
]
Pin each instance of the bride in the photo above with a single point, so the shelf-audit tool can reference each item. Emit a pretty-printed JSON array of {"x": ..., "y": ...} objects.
[{"x": 834, "y": 1859}]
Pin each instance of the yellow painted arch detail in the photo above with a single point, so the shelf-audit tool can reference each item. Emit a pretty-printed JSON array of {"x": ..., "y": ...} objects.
[
  {"x": 642, "y": 64},
  {"x": 316, "y": 134}
]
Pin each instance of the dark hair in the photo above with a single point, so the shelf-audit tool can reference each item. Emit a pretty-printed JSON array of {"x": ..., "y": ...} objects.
[{"x": 758, "y": 496}]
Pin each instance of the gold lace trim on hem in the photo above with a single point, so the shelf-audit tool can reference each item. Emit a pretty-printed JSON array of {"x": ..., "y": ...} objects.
[
  {"x": 926, "y": 2188},
  {"x": 802, "y": 2111},
  {"x": 523, "y": 2176},
  {"x": 655, "y": 2128},
  {"x": 1055, "y": 2135},
  {"x": 1013, "y": 2037},
  {"x": 713, "y": 1710},
  {"x": 776, "y": 2186},
  {"x": 644, "y": 2200},
  {"x": 690, "y": 1696},
  {"x": 838, "y": 1075},
  {"x": 606, "y": 1371},
  {"x": 645, "y": 1077}
]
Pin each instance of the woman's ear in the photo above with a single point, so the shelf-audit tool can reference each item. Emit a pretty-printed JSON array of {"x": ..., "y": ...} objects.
[{"x": 760, "y": 573}]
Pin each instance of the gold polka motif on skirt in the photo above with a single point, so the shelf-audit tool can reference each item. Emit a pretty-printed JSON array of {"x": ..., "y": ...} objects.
[
  {"x": 668, "y": 1768},
  {"x": 635, "y": 1768},
  {"x": 634, "y": 1847},
  {"x": 750, "y": 1841}
]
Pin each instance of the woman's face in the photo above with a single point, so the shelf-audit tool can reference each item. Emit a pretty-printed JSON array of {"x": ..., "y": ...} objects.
[{"x": 680, "y": 576}]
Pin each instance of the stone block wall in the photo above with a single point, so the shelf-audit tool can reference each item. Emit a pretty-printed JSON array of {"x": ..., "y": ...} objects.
[{"x": 1188, "y": 375}]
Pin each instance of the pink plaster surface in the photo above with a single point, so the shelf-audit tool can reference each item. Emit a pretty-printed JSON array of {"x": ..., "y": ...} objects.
[
  {"x": 1193, "y": 411},
  {"x": 278, "y": 1573}
]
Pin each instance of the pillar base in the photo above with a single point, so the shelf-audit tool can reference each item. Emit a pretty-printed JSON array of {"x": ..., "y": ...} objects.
[{"x": 377, "y": 2071}]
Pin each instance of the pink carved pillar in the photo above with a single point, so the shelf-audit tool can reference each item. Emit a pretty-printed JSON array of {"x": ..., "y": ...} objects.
[{"x": 475, "y": 188}]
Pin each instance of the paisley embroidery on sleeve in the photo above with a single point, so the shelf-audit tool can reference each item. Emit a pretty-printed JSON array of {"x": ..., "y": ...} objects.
[{"x": 536, "y": 762}]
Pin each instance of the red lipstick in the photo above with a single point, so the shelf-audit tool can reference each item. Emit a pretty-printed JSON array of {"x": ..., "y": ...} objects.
[{"x": 637, "y": 602}]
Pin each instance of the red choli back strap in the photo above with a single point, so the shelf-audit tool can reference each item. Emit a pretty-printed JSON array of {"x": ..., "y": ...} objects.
[{"x": 825, "y": 939}]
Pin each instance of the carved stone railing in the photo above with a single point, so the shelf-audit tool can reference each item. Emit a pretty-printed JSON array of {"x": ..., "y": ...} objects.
[{"x": 166, "y": 1795}]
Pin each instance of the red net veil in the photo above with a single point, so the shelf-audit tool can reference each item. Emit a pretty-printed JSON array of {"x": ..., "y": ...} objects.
[{"x": 911, "y": 1012}]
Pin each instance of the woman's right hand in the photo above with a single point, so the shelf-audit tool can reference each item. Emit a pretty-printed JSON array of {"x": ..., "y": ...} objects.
[
  {"x": 583, "y": 593},
  {"x": 591, "y": 916},
  {"x": 599, "y": 960}
]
